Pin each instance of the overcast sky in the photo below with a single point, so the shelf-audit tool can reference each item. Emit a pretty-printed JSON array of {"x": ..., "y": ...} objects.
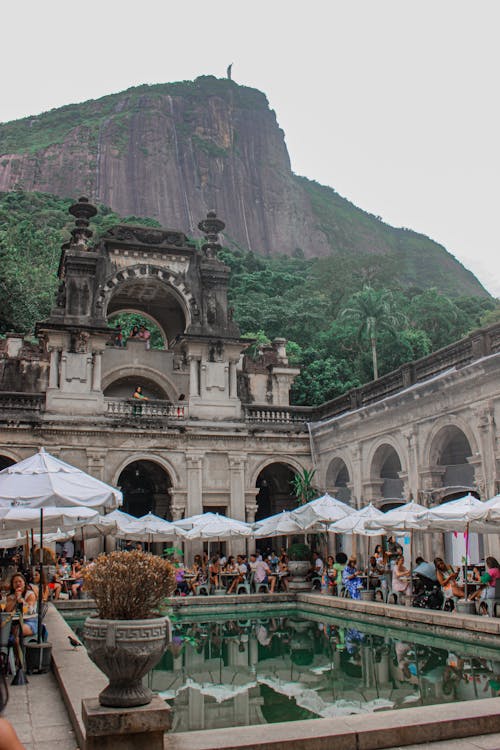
[{"x": 394, "y": 103}]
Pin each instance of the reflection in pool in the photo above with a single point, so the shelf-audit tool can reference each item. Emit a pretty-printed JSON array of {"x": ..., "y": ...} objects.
[{"x": 259, "y": 670}]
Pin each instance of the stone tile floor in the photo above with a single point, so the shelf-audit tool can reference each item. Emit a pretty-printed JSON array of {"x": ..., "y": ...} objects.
[
  {"x": 484, "y": 742},
  {"x": 38, "y": 715}
]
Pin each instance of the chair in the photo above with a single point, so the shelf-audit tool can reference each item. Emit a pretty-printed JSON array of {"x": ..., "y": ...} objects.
[
  {"x": 203, "y": 589},
  {"x": 243, "y": 587},
  {"x": 449, "y": 599},
  {"x": 392, "y": 597},
  {"x": 491, "y": 604},
  {"x": 316, "y": 583}
]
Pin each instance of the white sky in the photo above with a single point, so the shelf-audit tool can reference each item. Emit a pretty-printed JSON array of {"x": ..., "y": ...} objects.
[{"x": 394, "y": 103}]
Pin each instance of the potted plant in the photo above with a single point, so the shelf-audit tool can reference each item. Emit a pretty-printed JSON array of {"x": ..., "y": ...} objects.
[
  {"x": 128, "y": 636},
  {"x": 299, "y": 564}
]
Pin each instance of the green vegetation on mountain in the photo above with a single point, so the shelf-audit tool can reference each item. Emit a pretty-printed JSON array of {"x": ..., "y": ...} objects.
[{"x": 323, "y": 306}]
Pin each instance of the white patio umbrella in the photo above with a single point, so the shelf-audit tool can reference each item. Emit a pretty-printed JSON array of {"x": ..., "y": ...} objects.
[
  {"x": 43, "y": 480},
  {"x": 19, "y": 518},
  {"x": 215, "y": 526},
  {"x": 281, "y": 524},
  {"x": 358, "y": 522},
  {"x": 149, "y": 528},
  {"x": 316, "y": 514}
]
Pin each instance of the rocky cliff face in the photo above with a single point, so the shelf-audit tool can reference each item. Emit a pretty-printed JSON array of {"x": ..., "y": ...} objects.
[{"x": 173, "y": 151}]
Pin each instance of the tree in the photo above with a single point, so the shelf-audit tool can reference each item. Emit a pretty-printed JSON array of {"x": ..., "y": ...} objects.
[{"x": 372, "y": 311}]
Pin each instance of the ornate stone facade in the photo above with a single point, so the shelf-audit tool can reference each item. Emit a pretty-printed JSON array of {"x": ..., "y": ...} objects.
[{"x": 216, "y": 423}]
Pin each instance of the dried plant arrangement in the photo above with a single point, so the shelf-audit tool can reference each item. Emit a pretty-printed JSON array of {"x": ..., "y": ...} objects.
[{"x": 129, "y": 585}]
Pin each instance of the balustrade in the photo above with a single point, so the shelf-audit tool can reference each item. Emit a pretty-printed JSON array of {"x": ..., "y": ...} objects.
[{"x": 150, "y": 408}]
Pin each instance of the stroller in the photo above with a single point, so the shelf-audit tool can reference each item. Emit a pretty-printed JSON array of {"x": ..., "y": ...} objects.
[{"x": 427, "y": 594}]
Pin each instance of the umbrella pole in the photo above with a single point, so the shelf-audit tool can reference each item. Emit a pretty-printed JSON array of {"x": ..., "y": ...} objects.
[
  {"x": 40, "y": 587},
  {"x": 466, "y": 560},
  {"x": 31, "y": 556},
  {"x": 411, "y": 564}
]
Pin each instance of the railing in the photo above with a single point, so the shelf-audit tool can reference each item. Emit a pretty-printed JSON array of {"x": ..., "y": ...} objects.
[
  {"x": 21, "y": 402},
  {"x": 145, "y": 409},
  {"x": 478, "y": 344},
  {"x": 268, "y": 414}
]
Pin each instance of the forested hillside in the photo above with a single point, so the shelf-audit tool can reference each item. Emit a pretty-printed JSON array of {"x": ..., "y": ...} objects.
[{"x": 336, "y": 311}]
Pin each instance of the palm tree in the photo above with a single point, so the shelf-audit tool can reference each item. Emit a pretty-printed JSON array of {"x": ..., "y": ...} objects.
[
  {"x": 303, "y": 487},
  {"x": 372, "y": 310}
]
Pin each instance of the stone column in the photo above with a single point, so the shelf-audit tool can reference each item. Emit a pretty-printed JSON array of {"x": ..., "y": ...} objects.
[
  {"x": 251, "y": 506},
  {"x": 237, "y": 485},
  {"x": 194, "y": 503},
  {"x": 233, "y": 388},
  {"x": 54, "y": 368},
  {"x": 487, "y": 438},
  {"x": 178, "y": 505},
  {"x": 411, "y": 480},
  {"x": 95, "y": 463},
  {"x": 96, "y": 371},
  {"x": 356, "y": 479},
  {"x": 194, "y": 382}
]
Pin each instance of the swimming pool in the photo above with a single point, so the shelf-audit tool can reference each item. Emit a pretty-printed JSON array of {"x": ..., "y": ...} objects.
[{"x": 284, "y": 665}]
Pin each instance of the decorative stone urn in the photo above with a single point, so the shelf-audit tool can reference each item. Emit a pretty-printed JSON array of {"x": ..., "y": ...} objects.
[
  {"x": 126, "y": 650},
  {"x": 298, "y": 571}
]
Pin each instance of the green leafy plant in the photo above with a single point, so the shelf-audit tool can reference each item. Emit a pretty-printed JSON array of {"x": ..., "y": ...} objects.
[
  {"x": 303, "y": 487},
  {"x": 299, "y": 552},
  {"x": 129, "y": 585}
]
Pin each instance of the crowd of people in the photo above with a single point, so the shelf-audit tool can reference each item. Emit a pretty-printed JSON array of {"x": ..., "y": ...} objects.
[{"x": 256, "y": 572}]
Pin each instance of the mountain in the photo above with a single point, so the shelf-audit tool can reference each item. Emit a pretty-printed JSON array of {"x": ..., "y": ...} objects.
[{"x": 173, "y": 151}]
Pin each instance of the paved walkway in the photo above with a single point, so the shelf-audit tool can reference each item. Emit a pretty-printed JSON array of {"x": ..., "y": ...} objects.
[
  {"x": 39, "y": 716},
  {"x": 484, "y": 742}
]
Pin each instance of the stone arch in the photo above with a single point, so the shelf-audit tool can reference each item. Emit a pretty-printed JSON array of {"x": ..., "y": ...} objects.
[
  {"x": 451, "y": 451},
  {"x": 132, "y": 457},
  {"x": 439, "y": 434},
  {"x": 146, "y": 486},
  {"x": 137, "y": 373},
  {"x": 338, "y": 479},
  {"x": 7, "y": 458},
  {"x": 144, "y": 315},
  {"x": 386, "y": 467},
  {"x": 145, "y": 288},
  {"x": 292, "y": 462}
]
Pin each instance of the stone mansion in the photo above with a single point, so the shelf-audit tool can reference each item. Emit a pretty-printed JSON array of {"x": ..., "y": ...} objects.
[{"x": 217, "y": 431}]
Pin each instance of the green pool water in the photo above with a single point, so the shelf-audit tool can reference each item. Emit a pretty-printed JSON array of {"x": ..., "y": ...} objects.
[{"x": 256, "y": 668}]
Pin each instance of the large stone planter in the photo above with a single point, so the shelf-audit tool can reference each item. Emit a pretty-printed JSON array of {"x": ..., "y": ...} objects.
[
  {"x": 125, "y": 650},
  {"x": 298, "y": 571}
]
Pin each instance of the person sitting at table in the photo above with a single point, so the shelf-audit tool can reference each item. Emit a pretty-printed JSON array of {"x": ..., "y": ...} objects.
[
  {"x": 24, "y": 598},
  {"x": 214, "y": 572},
  {"x": 242, "y": 574},
  {"x": 230, "y": 566},
  {"x": 400, "y": 576},
  {"x": 76, "y": 573},
  {"x": 283, "y": 572},
  {"x": 488, "y": 579},
  {"x": 261, "y": 573},
  {"x": 351, "y": 579},
  {"x": 380, "y": 557},
  {"x": 34, "y": 585},
  {"x": 373, "y": 572},
  {"x": 447, "y": 579},
  {"x": 181, "y": 584},
  {"x": 338, "y": 567},
  {"x": 64, "y": 568}
]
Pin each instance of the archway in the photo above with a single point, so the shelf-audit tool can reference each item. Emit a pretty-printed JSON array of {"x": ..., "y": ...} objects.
[
  {"x": 386, "y": 468},
  {"x": 275, "y": 490},
  {"x": 145, "y": 293},
  {"x": 146, "y": 488},
  {"x": 452, "y": 450},
  {"x": 124, "y": 388},
  {"x": 6, "y": 461},
  {"x": 337, "y": 480}
]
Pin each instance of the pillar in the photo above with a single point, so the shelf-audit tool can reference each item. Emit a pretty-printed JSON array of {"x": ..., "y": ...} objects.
[
  {"x": 194, "y": 380},
  {"x": 96, "y": 371},
  {"x": 54, "y": 368},
  {"x": 237, "y": 485},
  {"x": 194, "y": 462},
  {"x": 233, "y": 386}
]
